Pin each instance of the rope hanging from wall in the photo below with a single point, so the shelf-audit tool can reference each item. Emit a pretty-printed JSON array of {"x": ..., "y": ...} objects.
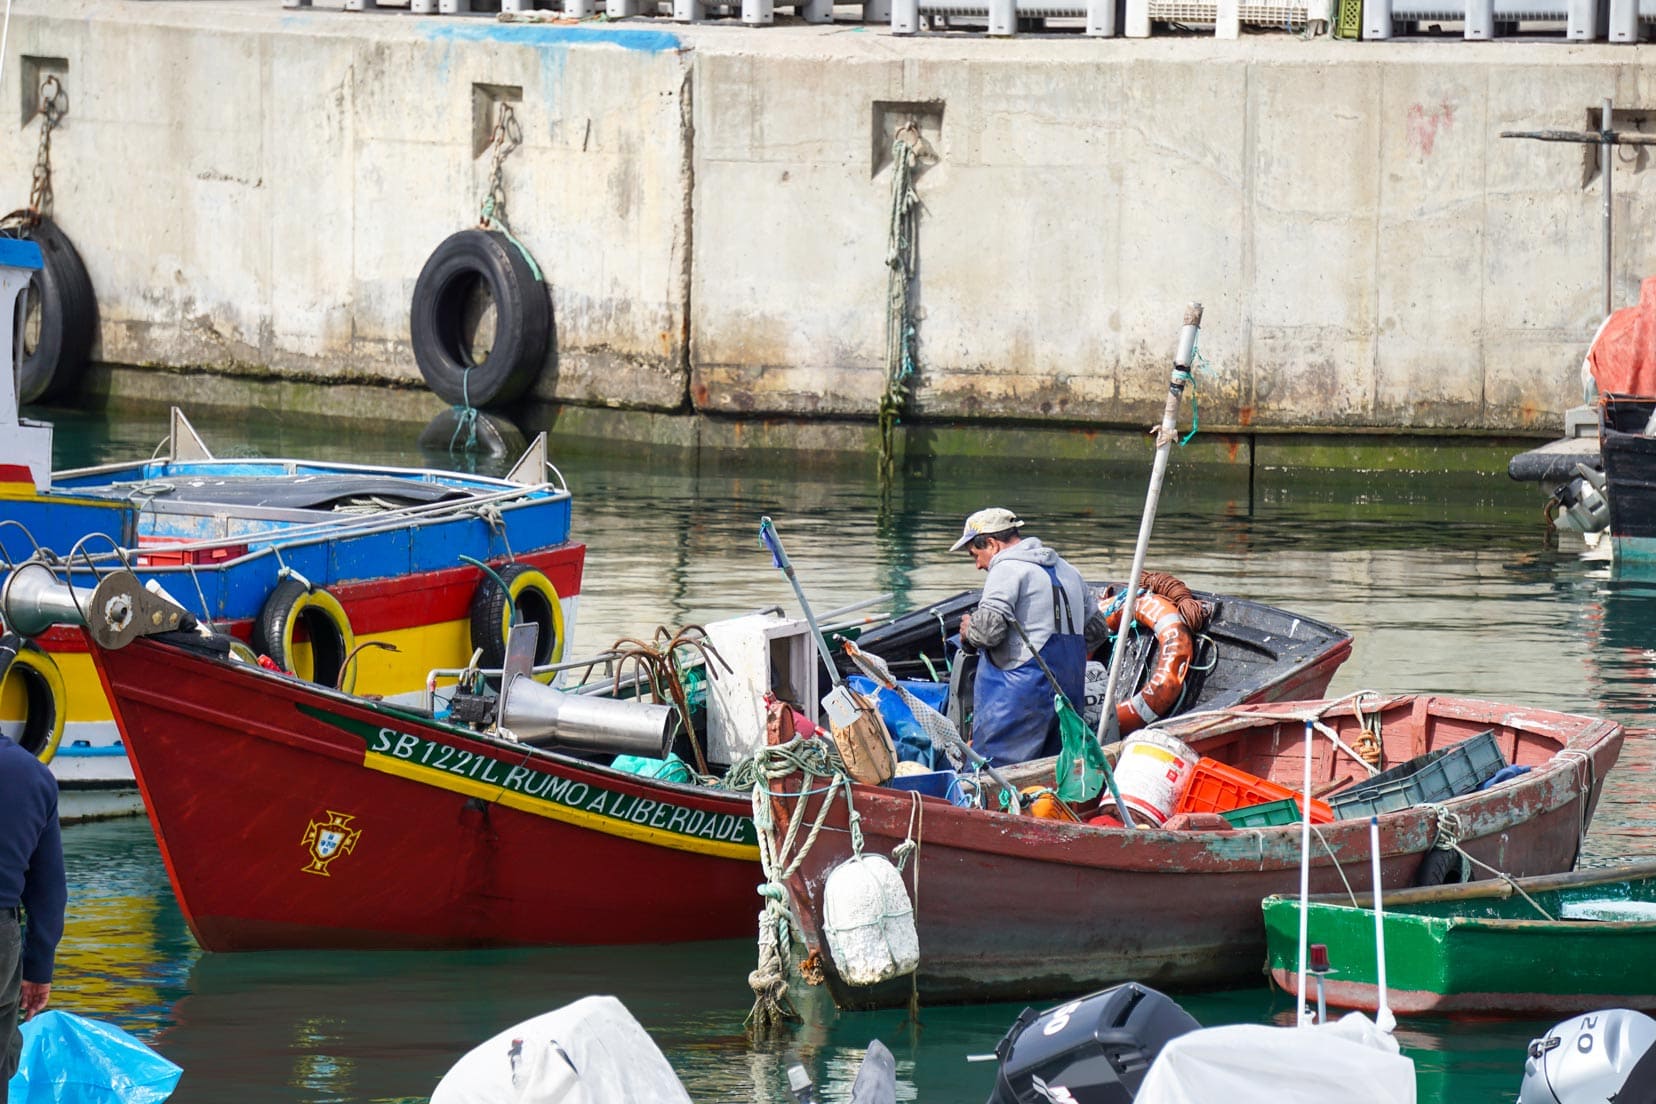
[{"x": 902, "y": 247}]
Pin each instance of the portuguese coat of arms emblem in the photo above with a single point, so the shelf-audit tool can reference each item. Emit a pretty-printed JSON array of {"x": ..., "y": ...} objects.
[{"x": 328, "y": 839}]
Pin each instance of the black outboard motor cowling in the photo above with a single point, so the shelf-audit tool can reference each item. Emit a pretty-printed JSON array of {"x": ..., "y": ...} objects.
[{"x": 1095, "y": 1050}]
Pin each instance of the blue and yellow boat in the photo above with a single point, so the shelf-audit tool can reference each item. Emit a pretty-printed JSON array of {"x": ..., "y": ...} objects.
[{"x": 357, "y": 577}]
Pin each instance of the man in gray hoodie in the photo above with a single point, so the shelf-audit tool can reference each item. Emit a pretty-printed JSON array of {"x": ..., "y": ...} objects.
[{"x": 1032, "y": 587}]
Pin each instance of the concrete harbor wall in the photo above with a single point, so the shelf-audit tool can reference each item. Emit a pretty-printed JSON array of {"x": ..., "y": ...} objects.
[{"x": 254, "y": 191}]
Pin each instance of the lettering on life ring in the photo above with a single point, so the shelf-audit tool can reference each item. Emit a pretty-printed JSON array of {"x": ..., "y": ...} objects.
[
  {"x": 536, "y": 601},
  {"x": 31, "y": 692},
  {"x": 305, "y": 630},
  {"x": 1174, "y": 648}
]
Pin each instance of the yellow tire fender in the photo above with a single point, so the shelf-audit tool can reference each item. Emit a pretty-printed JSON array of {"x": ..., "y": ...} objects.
[
  {"x": 293, "y": 607},
  {"x": 31, "y": 686},
  {"x": 535, "y": 599}
]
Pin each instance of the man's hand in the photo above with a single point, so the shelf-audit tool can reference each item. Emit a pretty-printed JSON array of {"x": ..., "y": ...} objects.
[
  {"x": 965, "y": 624},
  {"x": 34, "y": 997}
]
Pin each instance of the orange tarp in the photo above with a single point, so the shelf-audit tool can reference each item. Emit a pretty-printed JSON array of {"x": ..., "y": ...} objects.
[{"x": 1623, "y": 358}]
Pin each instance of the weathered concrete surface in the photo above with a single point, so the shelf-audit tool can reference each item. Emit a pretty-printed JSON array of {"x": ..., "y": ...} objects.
[
  {"x": 255, "y": 190},
  {"x": 1370, "y": 252}
]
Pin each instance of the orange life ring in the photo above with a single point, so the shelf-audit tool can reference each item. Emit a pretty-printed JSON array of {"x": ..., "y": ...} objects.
[{"x": 1174, "y": 649}]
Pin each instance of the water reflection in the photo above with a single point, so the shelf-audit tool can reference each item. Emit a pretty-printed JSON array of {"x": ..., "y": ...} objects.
[{"x": 1449, "y": 586}]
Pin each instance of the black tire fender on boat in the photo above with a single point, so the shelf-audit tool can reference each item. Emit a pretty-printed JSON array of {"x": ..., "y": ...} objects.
[
  {"x": 1441, "y": 866},
  {"x": 536, "y": 600},
  {"x": 30, "y": 679},
  {"x": 463, "y": 264},
  {"x": 67, "y": 315},
  {"x": 297, "y": 614}
]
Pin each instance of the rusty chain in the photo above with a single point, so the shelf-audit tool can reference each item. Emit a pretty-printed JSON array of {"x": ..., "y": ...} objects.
[
  {"x": 54, "y": 105},
  {"x": 507, "y": 137}
]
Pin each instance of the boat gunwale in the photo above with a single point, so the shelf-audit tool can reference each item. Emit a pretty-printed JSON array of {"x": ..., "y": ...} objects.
[
  {"x": 396, "y": 711},
  {"x": 884, "y": 811},
  {"x": 292, "y": 466},
  {"x": 330, "y": 528},
  {"x": 1484, "y": 889}
]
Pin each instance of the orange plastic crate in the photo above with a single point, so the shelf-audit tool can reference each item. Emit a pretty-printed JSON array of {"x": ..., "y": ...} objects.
[{"x": 1217, "y": 788}]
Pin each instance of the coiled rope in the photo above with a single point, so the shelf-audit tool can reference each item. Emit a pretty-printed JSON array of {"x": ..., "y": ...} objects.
[
  {"x": 656, "y": 663},
  {"x": 811, "y": 759}
]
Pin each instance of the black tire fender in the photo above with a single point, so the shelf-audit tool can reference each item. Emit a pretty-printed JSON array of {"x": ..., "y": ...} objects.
[
  {"x": 30, "y": 678},
  {"x": 1441, "y": 866},
  {"x": 537, "y": 601},
  {"x": 67, "y": 315},
  {"x": 295, "y": 614},
  {"x": 463, "y": 264}
]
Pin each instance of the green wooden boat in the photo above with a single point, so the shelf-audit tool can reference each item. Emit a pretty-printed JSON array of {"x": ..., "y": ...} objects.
[{"x": 1555, "y": 943}]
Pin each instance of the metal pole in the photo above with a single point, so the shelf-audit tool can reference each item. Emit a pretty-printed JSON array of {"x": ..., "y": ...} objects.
[
  {"x": 1606, "y": 166},
  {"x": 773, "y": 541},
  {"x": 1108, "y": 729}
]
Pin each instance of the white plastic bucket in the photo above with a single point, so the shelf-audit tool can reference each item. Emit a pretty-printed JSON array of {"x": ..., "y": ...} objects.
[{"x": 1153, "y": 773}]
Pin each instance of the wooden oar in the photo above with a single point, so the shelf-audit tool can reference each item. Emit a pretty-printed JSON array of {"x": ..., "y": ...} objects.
[{"x": 1109, "y": 729}]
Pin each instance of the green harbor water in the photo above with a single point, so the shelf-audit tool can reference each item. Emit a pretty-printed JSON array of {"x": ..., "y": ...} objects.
[{"x": 1448, "y": 584}]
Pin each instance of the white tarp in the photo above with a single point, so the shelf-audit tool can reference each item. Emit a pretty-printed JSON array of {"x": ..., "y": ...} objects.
[
  {"x": 589, "y": 1052},
  {"x": 1349, "y": 1060}
]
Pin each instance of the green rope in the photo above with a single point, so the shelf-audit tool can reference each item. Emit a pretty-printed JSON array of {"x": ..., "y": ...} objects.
[
  {"x": 780, "y": 859},
  {"x": 465, "y": 415},
  {"x": 900, "y": 327},
  {"x": 489, "y": 222},
  {"x": 1199, "y": 364}
]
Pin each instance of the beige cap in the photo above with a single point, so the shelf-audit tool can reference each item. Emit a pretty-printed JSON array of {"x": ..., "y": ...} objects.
[{"x": 995, "y": 519}]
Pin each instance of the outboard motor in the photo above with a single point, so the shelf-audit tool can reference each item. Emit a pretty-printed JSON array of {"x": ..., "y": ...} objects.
[
  {"x": 1594, "y": 1057},
  {"x": 1582, "y": 505},
  {"x": 1095, "y": 1050}
]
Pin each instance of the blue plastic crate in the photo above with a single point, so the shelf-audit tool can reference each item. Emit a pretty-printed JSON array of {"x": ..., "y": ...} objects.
[
  {"x": 1437, "y": 776},
  {"x": 944, "y": 784}
]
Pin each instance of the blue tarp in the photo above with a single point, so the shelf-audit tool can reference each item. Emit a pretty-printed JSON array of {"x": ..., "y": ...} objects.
[
  {"x": 913, "y": 745},
  {"x": 68, "y": 1059}
]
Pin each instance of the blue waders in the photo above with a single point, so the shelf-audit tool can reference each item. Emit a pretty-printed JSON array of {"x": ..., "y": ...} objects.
[{"x": 1013, "y": 719}]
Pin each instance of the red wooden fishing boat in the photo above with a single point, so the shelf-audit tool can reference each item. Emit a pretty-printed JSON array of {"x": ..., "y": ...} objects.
[
  {"x": 1019, "y": 908},
  {"x": 290, "y": 815}
]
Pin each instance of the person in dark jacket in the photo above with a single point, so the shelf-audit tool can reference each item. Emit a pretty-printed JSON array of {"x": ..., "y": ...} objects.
[{"x": 32, "y": 894}]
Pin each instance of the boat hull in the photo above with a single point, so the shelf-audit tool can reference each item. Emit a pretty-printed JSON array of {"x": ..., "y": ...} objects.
[
  {"x": 1479, "y": 949},
  {"x": 1025, "y": 909},
  {"x": 291, "y": 816},
  {"x": 401, "y": 586},
  {"x": 1630, "y": 476}
]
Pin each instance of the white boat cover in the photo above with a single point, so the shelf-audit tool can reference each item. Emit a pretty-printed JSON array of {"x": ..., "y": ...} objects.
[
  {"x": 1349, "y": 1060},
  {"x": 589, "y": 1052}
]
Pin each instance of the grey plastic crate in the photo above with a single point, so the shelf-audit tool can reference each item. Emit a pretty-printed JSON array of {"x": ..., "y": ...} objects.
[{"x": 1437, "y": 776}]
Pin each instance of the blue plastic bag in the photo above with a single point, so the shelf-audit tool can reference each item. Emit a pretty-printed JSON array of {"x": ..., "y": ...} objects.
[
  {"x": 913, "y": 744},
  {"x": 68, "y": 1059}
]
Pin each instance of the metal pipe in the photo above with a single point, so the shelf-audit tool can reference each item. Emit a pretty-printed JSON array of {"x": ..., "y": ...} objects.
[
  {"x": 1607, "y": 166},
  {"x": 1305, "y": 877},
  {"x": 1108, "y": 727},
  {"x": 540, "y": 715}
]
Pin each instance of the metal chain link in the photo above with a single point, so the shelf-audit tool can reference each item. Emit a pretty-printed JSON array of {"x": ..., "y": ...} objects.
[
  {"x": 507, "y": 137},
  {"x": 54, "y": 105}
]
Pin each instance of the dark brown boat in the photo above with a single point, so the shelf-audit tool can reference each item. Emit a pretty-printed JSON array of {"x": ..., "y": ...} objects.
[{"x": 1019, "y": 908}]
